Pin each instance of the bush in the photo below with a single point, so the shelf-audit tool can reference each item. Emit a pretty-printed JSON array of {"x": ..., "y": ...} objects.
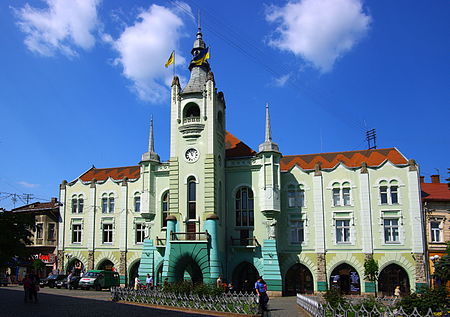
[
  {"x": 436, "y": 299},
  {"x": 334, "y": 298},
  {"x": 186, "y": 287}
]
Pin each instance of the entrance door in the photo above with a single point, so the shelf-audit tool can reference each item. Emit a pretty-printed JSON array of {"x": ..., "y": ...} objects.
[
  {"x": 345, "y": 279},
  {"x": 392, "y": 276},
  {"x": 191, "y": 227},
  {"x": 298, "y": 280}
]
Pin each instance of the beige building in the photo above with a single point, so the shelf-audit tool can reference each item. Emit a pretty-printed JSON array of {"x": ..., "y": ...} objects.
[{"x": 436, "y": 207}]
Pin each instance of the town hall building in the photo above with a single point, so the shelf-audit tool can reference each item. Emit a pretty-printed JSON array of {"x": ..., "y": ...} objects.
[{"x": 305, "y": 222}]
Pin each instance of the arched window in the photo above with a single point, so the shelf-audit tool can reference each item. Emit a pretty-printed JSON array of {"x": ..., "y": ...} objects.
[
  {"x": 111, "y": 203},
  {"x": 165, "y": 208},
  {"x": 77, "y": 204},
  {"x": 388, "y": 192},
  {"x": 341, "y": 194},
  {"x": 244, "y": 207},
  {"x": 80, "y": 203},
  {"x": 192, "y": 197},
  {"x": 104, "y": 203},
  {"x": 74, "y": 204},
  {"x": 137, "y": 202},
  {"x": 191, "y": 111},
  {"x": 107, "y": 203}
]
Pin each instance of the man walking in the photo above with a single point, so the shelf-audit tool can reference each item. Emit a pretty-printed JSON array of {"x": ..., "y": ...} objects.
[{"x": 261, "y": 290}]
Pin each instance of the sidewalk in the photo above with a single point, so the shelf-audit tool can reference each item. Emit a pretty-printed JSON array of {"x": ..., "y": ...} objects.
[{"x": 285, "y": 307}]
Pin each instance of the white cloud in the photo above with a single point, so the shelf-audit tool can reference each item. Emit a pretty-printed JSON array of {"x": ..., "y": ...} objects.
[
  {"x": 64, "y": 26},
  {"x": 27, "y": 185},
  {"x": 320, "y": 31},
  {"x": 281, "y": 81},
  {"x": 145, "y": 46}
]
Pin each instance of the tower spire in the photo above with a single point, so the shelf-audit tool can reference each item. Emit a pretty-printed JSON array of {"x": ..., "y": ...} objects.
[
  {"x": 151, "y": 155},
  {"x": 268, "y": 145}
]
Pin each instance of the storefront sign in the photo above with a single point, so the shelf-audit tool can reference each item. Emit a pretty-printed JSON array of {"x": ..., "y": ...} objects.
[{"x": 47, "y": 258}]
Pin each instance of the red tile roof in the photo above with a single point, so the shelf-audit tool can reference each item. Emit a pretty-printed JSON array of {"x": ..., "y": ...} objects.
[
  {"x": 236, "y": 148},
  {"x": 435, "y": 191},
  {"x": 117, "y": 173},
  {"x": 37, "y": 206},
  {"x": 349, "y": 159}
]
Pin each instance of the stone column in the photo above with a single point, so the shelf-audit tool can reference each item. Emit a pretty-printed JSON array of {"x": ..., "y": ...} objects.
[
  {"x": 421, "y": 278},
  {"x": 215, "y": 268},
  {"x": 60, "y": 259},
  {"x": 123, "y": 268},
  {"x": 368, "y": 287},
  {"x": 321, "y": 273},
  {"x": 171, "y": 224},
  {"x": 90, "y": 263}
]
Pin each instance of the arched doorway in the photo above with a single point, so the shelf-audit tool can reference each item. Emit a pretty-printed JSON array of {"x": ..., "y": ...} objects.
[
  {"x": 106, "y": 265},
  {"x": 298, "y": 280},
  {"x": 345, "y": 279},
  {"x": 187, "y": 269},
  {"x": 391, "y": 276},
  {"x": 75, "y": 266},
  {"x": 133, "y": 272},
  {"x": 244, "y": 277}
]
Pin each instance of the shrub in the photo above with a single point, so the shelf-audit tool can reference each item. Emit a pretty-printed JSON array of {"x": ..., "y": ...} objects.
[
  {"x": 334, "y": 298},
  {"x": 436, "y": 299}
]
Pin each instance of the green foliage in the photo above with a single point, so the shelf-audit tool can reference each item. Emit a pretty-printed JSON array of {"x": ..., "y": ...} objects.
[
  {"x": 38, "y": 265},
  {"x": 16, "y": 231},
  {"x": 371, "y": 271},
  {"x": 435, "y": 299},
  {"x": 442, "y": 269},
  {"x": 187, "y": 287},
  {"x": 334, "y": 298},
  {"x": 370, "y": 303}
]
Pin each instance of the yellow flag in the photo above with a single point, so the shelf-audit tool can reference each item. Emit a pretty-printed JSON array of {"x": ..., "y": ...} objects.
[{"x": 171, "y": 59}]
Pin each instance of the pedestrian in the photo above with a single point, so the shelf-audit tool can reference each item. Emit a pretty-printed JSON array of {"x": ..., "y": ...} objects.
[
  {"x": 149, "y": 282},
  {"x": 230, "y": 288},
  {"x": 34, "y": 287},
  {"x": 136, "y": 282},
  {"x": 397, "y": 292},
  {"x": 26, "y": 287},
  {"x": 219, "y": 281},
  {"x": 261, "y": 290}
]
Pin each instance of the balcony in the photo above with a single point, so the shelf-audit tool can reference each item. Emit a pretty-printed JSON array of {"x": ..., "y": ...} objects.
[
  {"x": 160, "y": 242},
  {"x": 189, "y": 237},
  {"x": 244, "y": 242},
  {"x": 191, "y": 127}
]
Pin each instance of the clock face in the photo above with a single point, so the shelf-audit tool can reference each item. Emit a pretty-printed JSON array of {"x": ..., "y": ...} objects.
[{"x": 191, "y": 155}]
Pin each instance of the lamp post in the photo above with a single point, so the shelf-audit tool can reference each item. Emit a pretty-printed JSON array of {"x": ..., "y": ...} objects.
[{"x": 434, "y": 258}]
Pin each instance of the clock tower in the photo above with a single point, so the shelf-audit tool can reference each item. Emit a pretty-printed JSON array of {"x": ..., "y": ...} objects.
[{"x": 197, "y": 147}]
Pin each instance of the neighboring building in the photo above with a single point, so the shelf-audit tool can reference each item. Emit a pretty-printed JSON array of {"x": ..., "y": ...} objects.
[
  {"x": 45, "y": 237},
  {"x": 436, "y": 207},
  {"x": 217, "y": 207}
]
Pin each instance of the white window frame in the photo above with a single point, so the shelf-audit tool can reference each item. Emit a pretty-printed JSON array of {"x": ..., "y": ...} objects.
[
  {"x": 391, "y": 228},
  {"x": 40, "y": 225},
  {"x": 437, "y": 230},
  {"x": 77, "y": 233},
  {"x": 391, "y": 214},
  {"x": 107, "y": 231},
  {"x": 54, "y": 231},
  {"x": 389, "y": 185},
  {"x": 298, "y": 230},
  {"x": 298, "y": 199},
  {"x": 139, "y": 232},
  {"x": 343, "y": 228},
  {"x": 338, "y": 198},
  {"x": 137, "y": 199}
]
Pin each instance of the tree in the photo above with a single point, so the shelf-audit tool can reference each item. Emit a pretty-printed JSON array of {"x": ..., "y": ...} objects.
[
  {"x": 442, "y": 267},
  {"x": 371, "y": 272},
  {"x": 16, "y": 231}
]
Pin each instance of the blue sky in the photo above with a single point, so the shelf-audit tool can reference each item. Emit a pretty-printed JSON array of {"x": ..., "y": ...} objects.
[{"x": 80, "y": 79}]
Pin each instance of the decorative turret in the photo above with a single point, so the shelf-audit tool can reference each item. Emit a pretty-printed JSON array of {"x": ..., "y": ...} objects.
[
  {"x": 151, "y": 155},
  {"x": 268, "y": 145},
  {"x": 199, "y": 73}
]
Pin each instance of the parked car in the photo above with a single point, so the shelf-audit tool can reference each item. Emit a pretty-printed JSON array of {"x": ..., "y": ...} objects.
[
  {"x": 52, "y": 280},
  {"x": 99, "y": 279},
  {"x": 74, "y": 282},
  {"x": 62, "y": 283},
  {"x": 3, "y": 280}
]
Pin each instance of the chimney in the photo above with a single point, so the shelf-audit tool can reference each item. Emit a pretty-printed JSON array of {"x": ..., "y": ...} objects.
[
  {"x": 435, "y": 179},
  {"x": 422, "y": 179},
  {"x": 54, "y": 200}
]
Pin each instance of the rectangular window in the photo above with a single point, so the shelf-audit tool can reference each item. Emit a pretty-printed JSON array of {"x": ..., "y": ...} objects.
[
  {"x": 296, "y": 198},
  {"x": 435, "y": 231},
  {"x": 394, "y": 195},
  {"x": 297, "y": 231},
  {"x": 342, "y": 231},
  {"x": 107, "y": 233},
  {"x": 74, "y": 205},
  {"x": 336, "y": 197},
  {"x": 291, "y": 198},
  {"x": 76, "y": 233},
  {"x": 51, "y": 231},
  {"x": 383, "y": 195},
  {"x": 137, "y": 204},
  {"x": 346, "y": 196},
  {"x": 104, "y": 205},
  {"x": 39, "y": 230},
  {"x": 111, "y": 204},
  {"x": 140, "y": 232},
  {"x": 391, "y": 231}
]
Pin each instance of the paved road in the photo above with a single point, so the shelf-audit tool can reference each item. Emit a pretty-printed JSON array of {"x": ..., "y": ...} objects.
[{"x": 63, "y": 302}]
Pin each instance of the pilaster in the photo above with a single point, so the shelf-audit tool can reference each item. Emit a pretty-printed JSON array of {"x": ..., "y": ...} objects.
[
  {"x": 123, "y": 217},
  {"x": 210, "y": 188},
  {"x": 62, "y": 215},
  {"x": 365, "y": 213},
  {"x": 321, "y": 273},
  {"x": 90, "y": 219},
  {"x": 215, "y": 266},
  {"x": 91, "y": 259},
  {"x": 174, "y": 185},
  {"x": 318, "y": 212},
  {"x": 415, "y": 210},
  {"x": 123, "y": 267}
]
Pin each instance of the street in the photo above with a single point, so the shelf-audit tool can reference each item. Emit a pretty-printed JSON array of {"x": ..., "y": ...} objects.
[{"x": 63, "y": 302}]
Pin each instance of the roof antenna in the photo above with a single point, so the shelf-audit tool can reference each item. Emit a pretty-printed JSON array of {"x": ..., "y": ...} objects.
[
  {"x": 371, "y": 137},
  {"x": 198, "y": 20}
]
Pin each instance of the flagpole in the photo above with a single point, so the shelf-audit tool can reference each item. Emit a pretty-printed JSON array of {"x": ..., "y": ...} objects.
[{"x": 174, "y": 53}]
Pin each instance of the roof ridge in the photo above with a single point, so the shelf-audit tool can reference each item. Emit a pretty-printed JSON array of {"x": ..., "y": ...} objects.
[{"x": 389, "y": 148}]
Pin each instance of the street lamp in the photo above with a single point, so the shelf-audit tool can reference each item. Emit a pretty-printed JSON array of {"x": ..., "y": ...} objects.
[{"x": 434, "y": 258}]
